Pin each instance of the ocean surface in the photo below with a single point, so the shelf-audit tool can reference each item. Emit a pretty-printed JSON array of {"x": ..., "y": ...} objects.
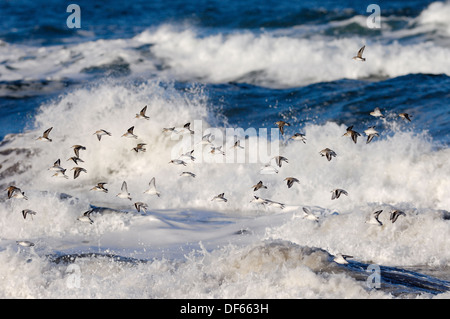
[{"x": 232, "y": 70}]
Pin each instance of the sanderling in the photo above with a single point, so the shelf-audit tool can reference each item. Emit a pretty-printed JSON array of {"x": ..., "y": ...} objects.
[
  {"x": 341, "y": 259},
  {"x": 26, "y": 212},
  {"x": 406, "y": 116},
  {"x": 217, "y": 150},
  {"x": 279, "y": 160},
  {"x": 124, "y": 193},
  {"x": 338, "y": 192},
  {"x": 77, "y": 148},
  {"x": 100, "y": 187},
  {"x": 61, "y": 173},
  {"x": 100, "y": 133},
  {"x": 374, "y": 220},
  {"x": 44, "y": 136},
  {"x": 77, "y": 170},
  {"x": 152, "y": 190},
  {"x": 309, "y": 215},
  {"x": 187, "y": 174},
  {"x": 328, "y": 153},
  {"x": 130, "y": 133},
  {"x": 178, "y": 162},
  {"x": 187, "y": 155},
  {"x": 377, "y": 112},
  {"x": 291, "y": 180},
  {"x": 258, "y": 186},
  {"x": 395, "y": 214},
  {"x": 15, "y": 192},
  {"x": 219, "y": 198},
  {"x": 86, "y": 217},
  {"x": 139, "y": 148},
  {"x": 237, "y": 144},
  {"x": 141, "y": 205},
  {"x": 358, "y": 56},
  {"x": 353, "y": 134},
  {"x": 299, "y": 137},
  {"x": 142, "y": 115},
  {"x": 281, "y": 125},
  {"x": 56, "y": 166},
  {"x": 75, "y": 159},
  {"x": 268, "y": 169},
  {"x": 371, "y": 133}
]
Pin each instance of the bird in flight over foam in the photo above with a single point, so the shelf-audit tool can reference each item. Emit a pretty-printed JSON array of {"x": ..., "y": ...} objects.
[
  {"x": 141, "y": 205},
  {"x": 44, "y": 136},
  {"x": 358, "y": 56},
  {"x": 406, "y": 116},
  {"x": 371, "y": 133},
  {"x": 86, "y": 217},
  {"x": 100, "y": 187},
  {"x": 219, "y": 198},
  {"x": 77, "y": 170},
  {"x": 258, "y": 186},
  {"x": 351, "y": 133},
  {"x": 77, "y": 148},
  {"x": 130, "y": 133},
  {"x": 299, "y": 137},
  {"x": 142, "y": 115},
  {"x": 100, "y": 133},
  {"x": 341, "y": 259},
  {"x": 395, "y": 214},
  {"x": 375, "y": 219},
  {"x": 124, "y": 192},
  {"x": 15, "y": 192},
  {"x": 328, "y": 153},
  {"x": 337, "y": 192},
  {"x": 152, "y": 190},
  {"x": 377, "y": 112},
  {"x": 291, "y": 180},
  {"x": 26, "y": 212},
  {"x": 281, "y": 125}
]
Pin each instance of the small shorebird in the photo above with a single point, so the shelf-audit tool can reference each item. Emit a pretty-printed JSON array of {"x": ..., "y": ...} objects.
[
  {"x": 26, "y": 212},
  {"x": 178, "y": 162},
  {"x": 77, "y": 148},
  {"x": 341, "y": 259},
  {"x": 377, "y": 112},
  {"x": 268, "y": 169},
  {"x": 61, "y": 173},
  {"x": 279, "y": 160},
  {"x": 187, "y": 174},
  {"x": 56, "y": 166},
  {"x": 75, "y": 159},
  {"x": 258, "y": 186},
  {"x": 353, "y": 134},
  {"x": 281, "y": 125},
  {"x": 141, "y": 205},
  {"x": 328, "y": 153},
  {"x": 100, "y": 187},
  {"x": 338, "y": 192},
  {"x": 168, "y": 129},
  {"x": 395, "y": 214},
  {"x": 142, "y": 115},
  {"x": 187, "y": 127},
  {"x": 187, "y": 155},
  {"x": 371, "y": 133},
  {"x": 406, "y": 116},
  {"x": 219, "y": 198},
  {"x": 152, "y": 190},
  {"x": 130, "y": 133},
  {"x": 358, "y": 56},
  {"x": 15, "y": 192},
  {"x": 237, "y": 144},
  {"x": 291, "y": 180},
  {"x": 299, "y": 137},
  {"x": 309, "y": 215},
  {"x": 217, "y": 150},
  {"x": 374, "y": 220},
  {"x": 44, "y": 136},
  {"x": 139, "y": 148},
  {"x": 100, "y": 133},
  {"x": 124, "y": 192},
  {"x": 86, "y": 217},
  {"x": 77, "y": 170}
]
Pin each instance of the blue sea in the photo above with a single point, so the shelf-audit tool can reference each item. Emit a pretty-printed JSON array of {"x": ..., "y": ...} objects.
[{"x": 207, "y": 74}]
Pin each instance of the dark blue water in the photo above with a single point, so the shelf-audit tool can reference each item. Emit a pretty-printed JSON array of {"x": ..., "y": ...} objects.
[{"x": 243, "y": 100}]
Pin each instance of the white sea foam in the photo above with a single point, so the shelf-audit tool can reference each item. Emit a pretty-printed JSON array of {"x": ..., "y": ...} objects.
[
  {"x": 280, "y": 58},
  {"x": 399, "y": 170}
]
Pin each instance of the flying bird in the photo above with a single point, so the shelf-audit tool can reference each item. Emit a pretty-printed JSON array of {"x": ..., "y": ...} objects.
[{"x": 358, "y": 56}]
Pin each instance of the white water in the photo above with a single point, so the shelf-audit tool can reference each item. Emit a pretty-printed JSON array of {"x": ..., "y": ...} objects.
[
  {"x": 281, "y": 58},
  {"x": 186, "y": 236}
]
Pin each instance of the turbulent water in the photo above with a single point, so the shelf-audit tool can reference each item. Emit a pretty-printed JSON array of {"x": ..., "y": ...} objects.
[{"x": 232, "y": 71}]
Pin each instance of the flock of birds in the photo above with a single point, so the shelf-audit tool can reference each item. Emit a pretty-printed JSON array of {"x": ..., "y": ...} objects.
[{"x": 371, "y": 133}]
